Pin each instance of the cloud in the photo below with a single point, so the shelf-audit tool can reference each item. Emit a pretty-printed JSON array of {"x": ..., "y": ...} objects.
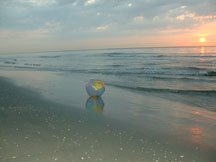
[
  {"x": 52, "y": 26},
  {"x": 187, "y": 15},
  {"x": 129, "y": 4},
  {"x": 138, "y": 18},
  {"x": 102, "y": 27},
  {"x": 183, "y": 7},
  {"x": 180, "y": 17},
  {"x": 88, "y": 2},
  {"x": 155, "y": 18},
  {"x": 24, "y": 35},
  {"x": 38, "y": 2},
  {"x": 82, "y": 19},
  {"x": 201, "y": 18},
  {"x": 74, "y": 14},
  {"x": 35, "y": 33},
  {"x": 193, "y": 16}
]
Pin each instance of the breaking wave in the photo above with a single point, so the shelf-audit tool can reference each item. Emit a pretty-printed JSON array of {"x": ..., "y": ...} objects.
[{"x": 161, "y": 90}]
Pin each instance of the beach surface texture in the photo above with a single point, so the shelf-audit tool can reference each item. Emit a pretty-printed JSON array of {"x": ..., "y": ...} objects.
[{"x": 159, "y": 106}]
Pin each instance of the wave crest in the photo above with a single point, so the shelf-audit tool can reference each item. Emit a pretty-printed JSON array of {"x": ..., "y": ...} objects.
[
  {"x": 211, "y": 73},
  {"x": 161, "y": 90}
]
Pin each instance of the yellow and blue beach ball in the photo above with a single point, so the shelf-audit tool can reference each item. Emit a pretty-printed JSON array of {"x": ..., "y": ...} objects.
[{"x": 95, "y": 87}]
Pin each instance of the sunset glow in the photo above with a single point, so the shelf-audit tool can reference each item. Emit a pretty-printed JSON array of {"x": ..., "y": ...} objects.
[{"x": 202, "y": 40}]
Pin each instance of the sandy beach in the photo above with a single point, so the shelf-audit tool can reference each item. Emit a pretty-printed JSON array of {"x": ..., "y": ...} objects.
[{"x": 41, "y": 123}]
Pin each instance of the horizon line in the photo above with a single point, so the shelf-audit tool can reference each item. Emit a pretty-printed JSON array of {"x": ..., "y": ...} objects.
[{"x": 109, "y": 49}]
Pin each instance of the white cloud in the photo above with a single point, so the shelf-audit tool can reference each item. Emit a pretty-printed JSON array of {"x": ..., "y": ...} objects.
[
  {"x": 38, "y": 2},
  {"x": 52, "y": 26},
  {"x": 201, "y": 18},
  {"x": 74, "y": 3},
  {"x": 102, "y": 27},
  {"x": 192, "y": 16},
  {"x": 129, "y": 4},
  {"x": 90, "y": 2},
  {"x": 138, "y": 18},
  {"x": 155, "y": 18},
  {"x": 36, "y": 33},
  {"x": 180, "y": 17},
  {"x": 183, "y": 7}
]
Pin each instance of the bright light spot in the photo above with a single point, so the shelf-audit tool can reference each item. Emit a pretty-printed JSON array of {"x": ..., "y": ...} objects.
[
  {"x": 90, "y": 1},
  {"x": 98, "y": 13},
  {"x": 82, "y": 158},
  {"x": 129, "y": 4},
  {"x": 202, "y": 40},
  {"x": 196, "y": 112}
]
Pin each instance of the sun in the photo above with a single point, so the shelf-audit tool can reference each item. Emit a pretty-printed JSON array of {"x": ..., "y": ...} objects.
[{"x": 202, "y": 40}]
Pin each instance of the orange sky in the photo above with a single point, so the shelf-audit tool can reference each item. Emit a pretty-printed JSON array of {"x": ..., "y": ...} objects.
[{"x": 177, "y": 37}]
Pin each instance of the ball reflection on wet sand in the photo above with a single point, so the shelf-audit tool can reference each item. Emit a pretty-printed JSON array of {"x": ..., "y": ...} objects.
[{"x": 95, "y": 104}]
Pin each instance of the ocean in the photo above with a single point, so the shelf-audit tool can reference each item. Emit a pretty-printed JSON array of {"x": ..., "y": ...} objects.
[
  {"x": 159, "y": 104},
  {"x": 185, "y": 71}
]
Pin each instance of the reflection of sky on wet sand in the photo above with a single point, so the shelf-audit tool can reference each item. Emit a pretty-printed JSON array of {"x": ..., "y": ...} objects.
[
  {"x": 197, "y": 126},
  {"x": 188, "y": 123},
  {"x": 196, "y": 134}
]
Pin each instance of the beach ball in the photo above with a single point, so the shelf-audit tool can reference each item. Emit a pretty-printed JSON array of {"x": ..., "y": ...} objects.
[
  {"x": 95, "y": 104},
  {"x": 95, "y": 87}
]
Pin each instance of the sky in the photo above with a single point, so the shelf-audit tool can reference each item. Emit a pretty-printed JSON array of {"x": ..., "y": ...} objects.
[{"x": 50, "y": 25}]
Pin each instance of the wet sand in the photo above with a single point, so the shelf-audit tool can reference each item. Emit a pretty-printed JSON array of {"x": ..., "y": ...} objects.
[{"x": 34, "y": 128}]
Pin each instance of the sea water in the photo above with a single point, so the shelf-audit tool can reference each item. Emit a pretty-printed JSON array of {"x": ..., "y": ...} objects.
[{"x": 188, "y": 71}]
